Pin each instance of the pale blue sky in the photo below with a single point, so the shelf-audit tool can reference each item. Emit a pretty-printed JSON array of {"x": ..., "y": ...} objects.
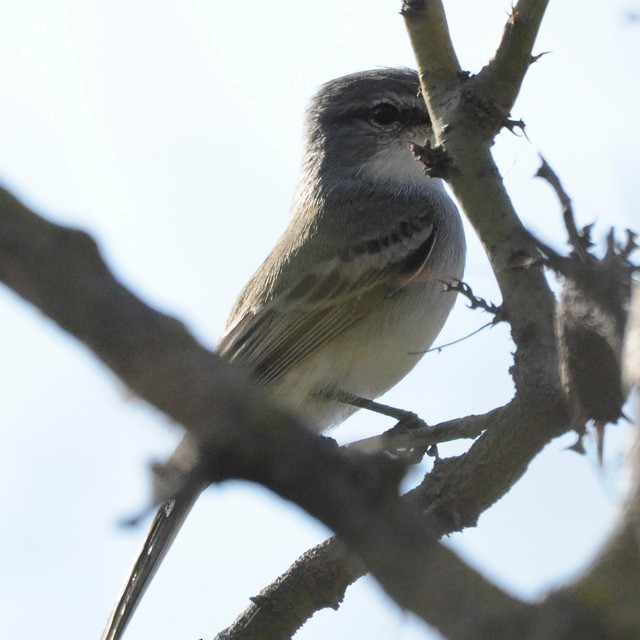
[{"x": 172, "y": 132}]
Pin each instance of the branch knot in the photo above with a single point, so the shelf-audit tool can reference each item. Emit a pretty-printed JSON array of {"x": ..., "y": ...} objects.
[{"x": 437, "y": 161}]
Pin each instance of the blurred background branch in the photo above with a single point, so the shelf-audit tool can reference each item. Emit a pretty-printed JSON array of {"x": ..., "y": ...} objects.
[{"x": 459, "y": 488}]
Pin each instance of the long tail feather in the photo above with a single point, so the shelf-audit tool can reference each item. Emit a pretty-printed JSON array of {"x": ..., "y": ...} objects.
[{"x": 164, "y": 528}]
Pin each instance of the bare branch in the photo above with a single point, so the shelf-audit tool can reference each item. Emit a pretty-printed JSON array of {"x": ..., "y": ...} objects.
[
  {"x": 317, "y": 580},
  {"x": 465, "y": 122},
  {"x": 420, "y": 438},
  {"x": 429, "y": 34},
  {"x": 241, "y": 432},
  {"x": 503, "y": 76},
  {"x": 579, "y": 241}
]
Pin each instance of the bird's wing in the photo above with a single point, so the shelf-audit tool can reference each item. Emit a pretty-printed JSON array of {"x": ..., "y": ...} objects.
[
  {"x": 320, "y": 303},
  {"x": 326, "y": 298}
]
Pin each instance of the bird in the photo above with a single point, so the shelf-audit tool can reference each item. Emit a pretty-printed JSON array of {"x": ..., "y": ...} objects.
[{"x": 352, "y": 294}]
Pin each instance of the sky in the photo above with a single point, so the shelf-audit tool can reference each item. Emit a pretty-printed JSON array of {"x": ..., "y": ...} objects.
[{"x": 171, "y": 131}]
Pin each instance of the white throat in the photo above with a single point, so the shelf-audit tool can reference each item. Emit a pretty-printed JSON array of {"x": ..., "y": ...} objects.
[{"x": 397, "y": 168}]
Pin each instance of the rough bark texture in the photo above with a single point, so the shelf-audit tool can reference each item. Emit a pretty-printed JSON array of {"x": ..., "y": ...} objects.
[{"x": 243, "y": 434}]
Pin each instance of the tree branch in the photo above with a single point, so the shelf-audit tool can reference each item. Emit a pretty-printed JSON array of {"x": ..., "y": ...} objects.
[
  {"x": 317, "y": 580},
  {"x": 241, "y": 432},
  {"x": 609, "y": 589},
  {"x": 466, "y": 120},
  {"x": 438, "y": 64},
  {"x": 503, "y": 76},
  {"x": 422, "y": 437},
  {"x": 245, "y": 434}
]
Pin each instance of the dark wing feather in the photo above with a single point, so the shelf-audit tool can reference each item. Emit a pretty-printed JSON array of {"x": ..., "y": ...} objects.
[{"x": 326, "y": 299}]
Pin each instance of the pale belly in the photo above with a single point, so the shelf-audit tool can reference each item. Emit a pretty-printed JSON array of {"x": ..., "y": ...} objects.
[{"x": 368, "y": 358}]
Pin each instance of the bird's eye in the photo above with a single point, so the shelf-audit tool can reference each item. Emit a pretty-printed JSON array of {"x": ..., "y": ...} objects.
[{"x": 384, "y": 113}]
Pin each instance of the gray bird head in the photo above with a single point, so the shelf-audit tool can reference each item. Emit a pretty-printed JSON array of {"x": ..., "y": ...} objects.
[{"x": 359, "y": 127}]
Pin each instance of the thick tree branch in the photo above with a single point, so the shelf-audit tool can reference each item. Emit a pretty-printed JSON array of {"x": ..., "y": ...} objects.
[
  {"x": 457, "y": 492},
  {"x": 438, "y": 63},
  {"x": 466, "y": 121},
  {"x": 609, "y": 589},
  {"x": 466, "y": 118},
  {"x": 243, "y": 434},
  {"x": 471, "y": 124},
  {"x": 317, "y": 580}
]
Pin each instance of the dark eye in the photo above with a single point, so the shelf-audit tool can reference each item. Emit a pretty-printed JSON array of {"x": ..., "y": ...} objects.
[{"x": 384, "y": 113}]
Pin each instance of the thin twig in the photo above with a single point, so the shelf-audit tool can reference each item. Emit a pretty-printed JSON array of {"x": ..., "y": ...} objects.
[
  {"x": 577, "y": 240},
  {"x": 395, "y": 440},
  {"x": 440, "y": 347}
]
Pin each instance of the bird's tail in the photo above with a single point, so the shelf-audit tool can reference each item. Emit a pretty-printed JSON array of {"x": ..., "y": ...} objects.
[{"x": 162, "y": 533}]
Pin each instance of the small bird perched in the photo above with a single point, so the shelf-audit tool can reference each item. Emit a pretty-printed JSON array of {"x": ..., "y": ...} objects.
[{"x": 351, "y": 296}]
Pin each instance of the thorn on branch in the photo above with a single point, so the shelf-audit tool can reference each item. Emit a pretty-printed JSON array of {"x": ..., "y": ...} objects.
[
  {"x": 512, "y": 125},
  {"x": 475, "y": 302},
  {"x": 412, "y": 8},
  {"x": 514, "y": 16},
  {"x": 437, "y": 161},
  {"x": 578, "y": 446},
  {"x": 533, "y": 59},
  {"x": 265, "y": 602}
]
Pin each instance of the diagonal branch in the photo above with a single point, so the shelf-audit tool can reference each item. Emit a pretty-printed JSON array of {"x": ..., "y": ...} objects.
[
  {"x": 503, "y": 76},
  {"x": 404, "y": 439},
  {"x": 457, "y": 492},
  {"x": 578, "y": 242},
  {"x": 438, "y": 63},
  {"x": 241, "y": 433},
  {"x": 466, "y": 118}
]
